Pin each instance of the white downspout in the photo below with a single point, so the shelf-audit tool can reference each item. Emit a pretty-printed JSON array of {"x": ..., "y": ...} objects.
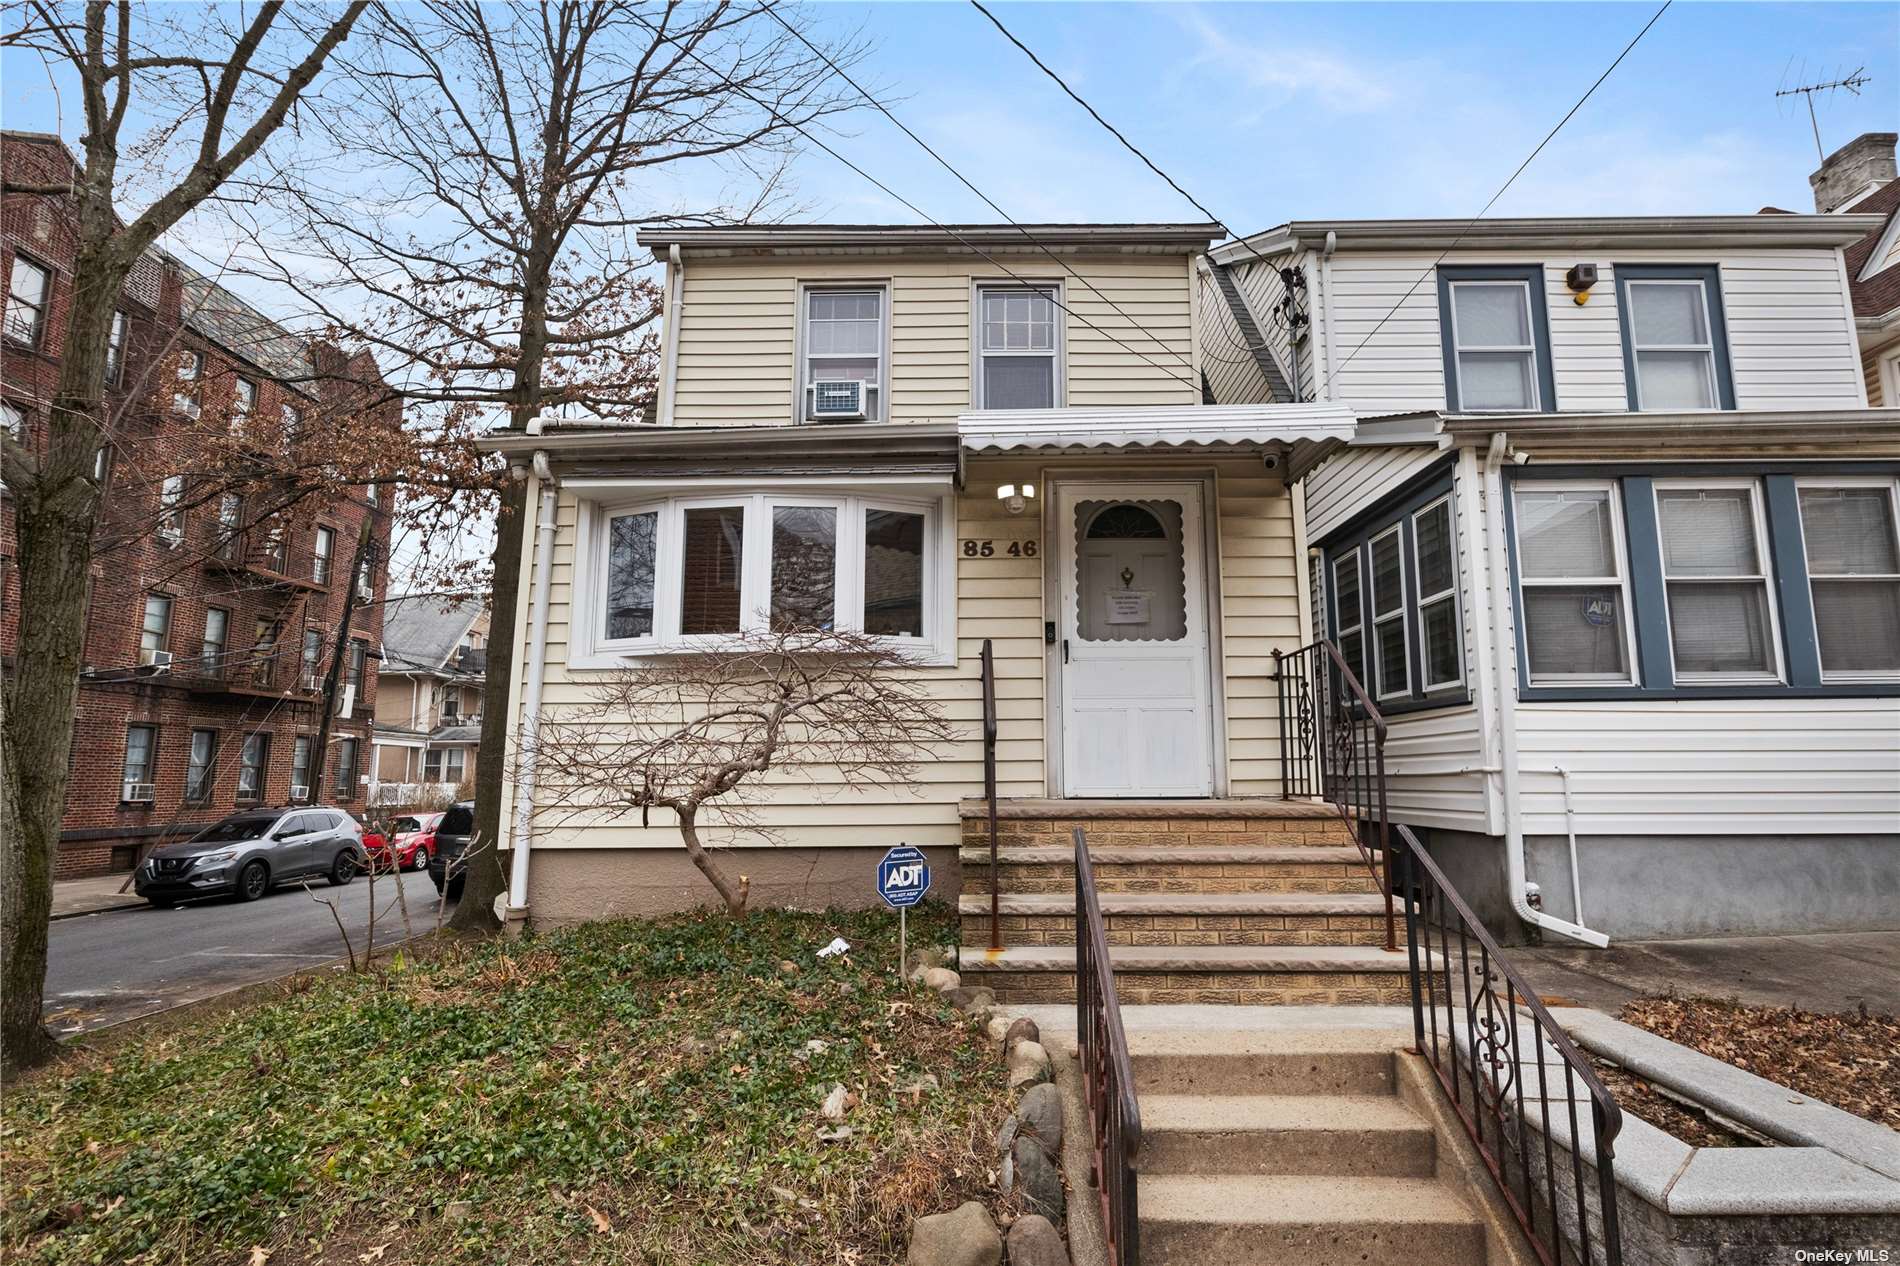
[
  {"x": 542, "y": 560},
  {"x": 1504, "y": 666},
  {"x": 1327, "y": 389},
  {"x": 675, "y": 282}
]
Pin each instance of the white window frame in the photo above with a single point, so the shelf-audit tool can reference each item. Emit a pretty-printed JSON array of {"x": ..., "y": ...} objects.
[
  {"x": 1059, "y": 354},
  {"x": 608, "y": 499},
  {"x": 802, "y": 377},
  {"x": 1362, "y": 669},
  {"x": 115, "y": 348},
  {"x": 189, "y": 386},
  {"x": 1766, "y": 579},
  {"x": 199, "y": 791},
  {"x": 1619, "y": 549},
  {"x": 148, "y": 655},
  {"x": 1423, "y": 600},
  {"x": 300, "y": 767},
  {"x": 213, "y": 653},
  {"x": 171, "y": 510},
  {"x": 1396, "y": 613},
  {"x": 140, "y": 789},
  {"x": 257, "y": 741},
  {"x": 322, "y": 554},
  {"x": 1708, "y": 349},
  {"x": 1527, "y": 350},
  {"x": 1892, "y": 486},
  {"x": 1890, "y": 372},
  {"x": 39, "y": 308}
]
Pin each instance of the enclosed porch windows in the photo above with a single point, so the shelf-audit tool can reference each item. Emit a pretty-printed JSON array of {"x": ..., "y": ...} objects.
[
  {"x": 693, "y": 573},
  {"x": 1852, "y": 548}
]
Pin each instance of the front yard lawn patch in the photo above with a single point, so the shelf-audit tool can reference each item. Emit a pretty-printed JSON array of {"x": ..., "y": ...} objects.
[
  {"x": 1848, "y": 1059},
  {"x": 621, "y": 1092}
]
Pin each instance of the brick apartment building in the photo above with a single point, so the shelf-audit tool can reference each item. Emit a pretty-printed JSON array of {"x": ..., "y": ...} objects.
[{"x": 212, "y": 615}]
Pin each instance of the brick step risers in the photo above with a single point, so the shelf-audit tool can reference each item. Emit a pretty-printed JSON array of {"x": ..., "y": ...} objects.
[
  {"x": 1289, "y": 1148},
  {"x": 1224, "y": 974},
  {"x": 1184, "y": 834},
  {"x": 1162, "y": 919},
  {"x": 1312, "y": 869},
  {"x": 1352, "y": 1136}
]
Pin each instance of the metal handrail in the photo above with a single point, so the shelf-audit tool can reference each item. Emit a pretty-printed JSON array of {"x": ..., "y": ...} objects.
[
  {"x": 988, "y": 661},
  {"x": 1495, "y": 1064},
  {"x": 1332, "y": 745},
  {"x": 1108, "y": 1078}
]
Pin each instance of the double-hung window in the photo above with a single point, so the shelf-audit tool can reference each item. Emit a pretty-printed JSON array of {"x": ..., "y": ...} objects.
[
  {"x": 253, "y": 763},
  {"x": 115, "y": 350},
  {"x": 1675, "y": 352},
  {"x": 345, "y": 768},
  {"x": 156, "y": 630},
  {"x": 191, "y": 372},
  {"x": 1715, "y": 577},
  {"x": 300, "y": 769},
  {"x": 1019, "y": 347},
  {"x": 311, "y": 656},
  {"x": 141, "y": 759},
  {"x": 171, "y": 510},
  {"x": 844, "y": 363},
  {"x": 201, "y": 763},
  {"x": 1496, "y": 340},
  {"x": 1349, "y": 620},
  {"x": 230, "y": 527},
  {"x": 1576, "y": 617},
  {"x": 1435, "y": 575},
  {"x": 1850, "y": 533},
  {"x": 321, "y": 553},
  {"x": 686, "y": 572},
  {"x": 27, "y": 292},
  {"x": 217, "y": 637},
  {"x": 1390, "y": 660}
]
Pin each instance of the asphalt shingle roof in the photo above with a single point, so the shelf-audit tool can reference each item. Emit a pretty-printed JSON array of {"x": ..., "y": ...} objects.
[
  {"x": 422, "y": 631},
  {"x": 1880, "y": 293}
]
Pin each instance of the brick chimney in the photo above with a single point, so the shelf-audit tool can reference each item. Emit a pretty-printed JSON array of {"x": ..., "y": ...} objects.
[{"x": 1853, "y": 171}]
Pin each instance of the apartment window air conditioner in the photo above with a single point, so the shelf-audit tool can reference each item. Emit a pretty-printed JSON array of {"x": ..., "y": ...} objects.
[
  {"x": 299, "y": 792},
  {"x": 160, "y": 661},
  {"x": 137, "y": 793},
  {"x": 839, "y": 398},
  {"x": 346, "y": 701},
  {"x": 313, "y": 683}
]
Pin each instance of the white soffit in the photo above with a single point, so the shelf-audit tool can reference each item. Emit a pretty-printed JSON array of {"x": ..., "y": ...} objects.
[{"x": 1241, "y": 426}]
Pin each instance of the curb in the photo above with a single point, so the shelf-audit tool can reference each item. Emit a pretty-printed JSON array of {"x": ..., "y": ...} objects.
[{"x": 128, "y": 904}]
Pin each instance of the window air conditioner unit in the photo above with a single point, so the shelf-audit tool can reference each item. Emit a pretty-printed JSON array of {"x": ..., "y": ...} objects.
[
  {"x": 313, "y": 682},
  {"x": 138, "y": 793},
  {"x": 346, "y": 701},
  {"x": 299, "y": 792},
  {"x": 160, "y": 661},
  {"x": 839, "y": 398}
]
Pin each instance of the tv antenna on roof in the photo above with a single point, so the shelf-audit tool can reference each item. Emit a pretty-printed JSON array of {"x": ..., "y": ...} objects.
[{"x": 1852, "y": 82}]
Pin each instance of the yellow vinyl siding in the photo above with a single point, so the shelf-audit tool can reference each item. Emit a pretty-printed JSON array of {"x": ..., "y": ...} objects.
[
  {"x": 738, "y": 332},
  {"x": 1001, "y": 598}
]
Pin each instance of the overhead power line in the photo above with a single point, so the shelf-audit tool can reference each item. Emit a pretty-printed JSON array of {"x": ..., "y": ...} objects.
[
  {"x": 967, "y": 183},
  {"x": 1132, "y": 148}
]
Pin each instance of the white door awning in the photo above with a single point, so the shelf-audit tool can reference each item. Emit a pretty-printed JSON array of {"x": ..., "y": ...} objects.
[{"x": 1302, "y": 434}]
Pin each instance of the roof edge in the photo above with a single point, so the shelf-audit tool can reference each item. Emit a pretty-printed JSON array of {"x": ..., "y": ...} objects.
[{"x": 1838, "y": 229}]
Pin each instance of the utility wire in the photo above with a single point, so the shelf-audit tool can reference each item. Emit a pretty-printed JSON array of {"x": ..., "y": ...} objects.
[
  {"x": 1465, "y": 232},
  {"x": 945, "y": 163},
  {"x": 995, "y": 263}
]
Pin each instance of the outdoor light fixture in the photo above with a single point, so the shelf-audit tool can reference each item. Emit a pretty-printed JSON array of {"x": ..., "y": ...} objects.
[
  {"x": 1580, "y": 278},
  {"x": 1015, "y": 499}
]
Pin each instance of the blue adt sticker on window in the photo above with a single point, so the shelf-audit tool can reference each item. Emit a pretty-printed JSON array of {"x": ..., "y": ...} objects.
[
  {"x": 903, "y": 877},
  {"x": 1599, "y": 611}
]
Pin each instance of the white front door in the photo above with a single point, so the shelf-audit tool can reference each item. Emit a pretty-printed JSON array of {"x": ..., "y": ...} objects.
[{"x": 1133, "y": 640}]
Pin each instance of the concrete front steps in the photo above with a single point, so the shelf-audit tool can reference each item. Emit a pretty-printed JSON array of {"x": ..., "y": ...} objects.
[
  {"x": 1263, "y": 1149},
  {"x": 1212, "y": 901}
]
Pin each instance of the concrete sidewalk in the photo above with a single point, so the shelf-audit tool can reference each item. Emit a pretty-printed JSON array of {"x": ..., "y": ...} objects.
[
  {"x": 72, "y": 897},
  {"x": 1836, "y": 971}
]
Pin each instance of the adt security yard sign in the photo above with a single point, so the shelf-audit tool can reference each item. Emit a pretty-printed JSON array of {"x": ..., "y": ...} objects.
[{"x": 903, "y": 877}]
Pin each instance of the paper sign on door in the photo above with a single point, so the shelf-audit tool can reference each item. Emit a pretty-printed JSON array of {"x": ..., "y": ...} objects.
[{"x": 1127, "y": 606}]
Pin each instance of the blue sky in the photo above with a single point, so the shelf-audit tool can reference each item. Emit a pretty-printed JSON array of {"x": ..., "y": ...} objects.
[{"x": 1274, "y": 111}]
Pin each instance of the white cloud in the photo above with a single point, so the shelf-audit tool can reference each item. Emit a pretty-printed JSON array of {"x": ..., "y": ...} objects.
[{"x": 1276, "y": 74}]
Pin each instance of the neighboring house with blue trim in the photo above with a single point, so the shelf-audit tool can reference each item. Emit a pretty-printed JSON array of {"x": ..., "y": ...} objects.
[
  {"x": 429, "y": 716},
  {"x": 1616, "y": 549}
]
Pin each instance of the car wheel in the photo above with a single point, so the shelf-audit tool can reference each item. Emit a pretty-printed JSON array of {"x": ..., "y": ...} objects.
[
  {"x": 421, "y": 860},
  {"x": 162, "y": 903},
  {"x": 343, "y": 869},
  {"x": 253, "y": 881}
]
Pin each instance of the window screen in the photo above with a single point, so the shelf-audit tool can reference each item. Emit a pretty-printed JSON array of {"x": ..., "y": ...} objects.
[
  {"x": 1016, "y": 338},
  {"x": 1494, "y": 345},
  {"x": 1576, "y": 625},
  {"x": 1854, "y": 572},
  {"x": 844, "y": 341},
  {"x": 1716, "y": 578},
  {"x": 1671, "y": 344}
]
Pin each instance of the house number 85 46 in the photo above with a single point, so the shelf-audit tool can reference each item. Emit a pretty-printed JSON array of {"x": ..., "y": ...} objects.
[{"x": 989, "y": 549}]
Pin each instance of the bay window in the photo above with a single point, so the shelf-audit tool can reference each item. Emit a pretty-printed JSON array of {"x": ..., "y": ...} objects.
[
  {"x": 690, "y": 573},
  {"x": 1018, "y": 341},
  {"x": 1435, "y": 567},
  {"x": 1715, "y": 578},
  {"x": 1390, "y": 662},
  {"x": 1349, "y": 616},
  {"x": 1575, "y": 596},
  {"x": 1852, "y": 548},
  {"x": 1394, "y": 605}
]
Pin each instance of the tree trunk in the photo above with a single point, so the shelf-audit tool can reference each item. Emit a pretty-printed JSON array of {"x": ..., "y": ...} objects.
[
  {"x": 483, "y": 879},
  {"x": 54, "y": 513},
  {"x": 733, "y": 894}
]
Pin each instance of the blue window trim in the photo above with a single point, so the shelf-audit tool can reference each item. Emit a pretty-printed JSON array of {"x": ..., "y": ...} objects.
[
  {"x": 1533, "y": 276},
  {"x": 1355, "y": 537},
  {"x": 1711, "y": 277},
  {"x": 1801, "y": 660}
]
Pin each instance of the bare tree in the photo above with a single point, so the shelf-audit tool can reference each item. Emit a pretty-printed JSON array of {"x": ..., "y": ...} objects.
[
  {"x": 219, "y": 92},
  {"x": 699, "y": 736},
  {"x": 499, "y": 159}
]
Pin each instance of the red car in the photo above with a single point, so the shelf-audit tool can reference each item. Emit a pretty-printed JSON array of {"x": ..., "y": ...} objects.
[{"x": 414, "y": 842}]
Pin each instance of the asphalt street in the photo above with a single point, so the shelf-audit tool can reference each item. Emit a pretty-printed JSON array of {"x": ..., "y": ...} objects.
[{"x": 113, "y": 966}]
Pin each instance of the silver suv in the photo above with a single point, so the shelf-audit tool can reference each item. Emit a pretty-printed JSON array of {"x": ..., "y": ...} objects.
[{"x": 252, "y": 850}]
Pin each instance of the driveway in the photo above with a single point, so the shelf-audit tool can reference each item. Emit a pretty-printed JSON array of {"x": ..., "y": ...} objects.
[
  {"x": 113, "y": 966},
  {"x": 1821, "y": 972}
]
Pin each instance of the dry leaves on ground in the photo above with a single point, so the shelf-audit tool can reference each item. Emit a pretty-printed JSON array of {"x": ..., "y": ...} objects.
[{"x": 1848, "y": 1059}]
